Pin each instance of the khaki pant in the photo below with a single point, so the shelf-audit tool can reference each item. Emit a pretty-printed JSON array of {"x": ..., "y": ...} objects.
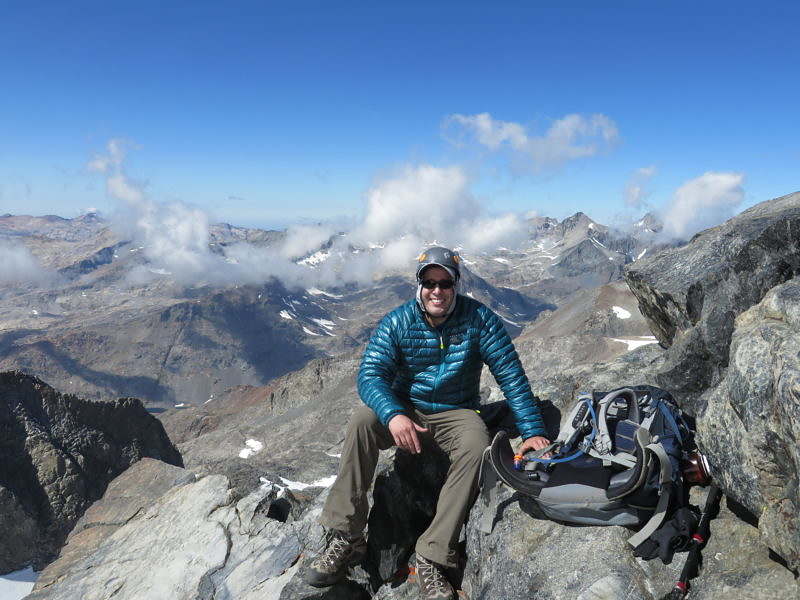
[{"x": 460, "y": 433}]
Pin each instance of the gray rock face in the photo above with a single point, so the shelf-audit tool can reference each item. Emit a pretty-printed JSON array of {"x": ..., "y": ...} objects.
[
  {"x": 525, "y": 557},
  {"x": 299, "y": 419},
  {"x": 723, "y": 306},
  {"x": 57, "y": 455},
  {"x": 750, "y": 423},
  {"x": 691, "y": 295},
  {"x": 159, "y": 532}
]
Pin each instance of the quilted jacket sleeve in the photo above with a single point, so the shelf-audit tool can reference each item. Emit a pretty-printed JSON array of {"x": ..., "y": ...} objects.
[
  {"x": 377, "y": 372},
  {"x": 497, "y": 351}
]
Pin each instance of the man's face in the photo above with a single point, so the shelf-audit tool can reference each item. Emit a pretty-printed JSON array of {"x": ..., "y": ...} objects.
[{"x": 437, "y": 301}]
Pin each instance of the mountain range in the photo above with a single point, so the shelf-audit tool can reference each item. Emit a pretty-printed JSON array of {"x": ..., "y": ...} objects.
[{"x": 102, "y": 320}]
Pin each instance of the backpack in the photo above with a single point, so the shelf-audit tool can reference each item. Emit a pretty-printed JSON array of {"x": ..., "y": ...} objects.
[{"x": 617, "y": 461}]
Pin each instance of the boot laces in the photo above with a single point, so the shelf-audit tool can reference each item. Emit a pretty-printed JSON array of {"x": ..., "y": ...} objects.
[
  {"x": 336, "y": 551},
  {"x": 433, "y": 576}
]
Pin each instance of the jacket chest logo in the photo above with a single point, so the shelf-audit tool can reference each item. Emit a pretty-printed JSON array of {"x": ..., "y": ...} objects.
[{"x": 455, "y": 338}]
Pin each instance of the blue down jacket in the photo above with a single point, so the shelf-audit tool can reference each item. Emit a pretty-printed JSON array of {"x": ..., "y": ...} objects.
[{"x": 436, "y": 369}]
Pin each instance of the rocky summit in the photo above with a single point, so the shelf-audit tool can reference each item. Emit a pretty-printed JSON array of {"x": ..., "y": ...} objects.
[{"x": 238, "y": 520}]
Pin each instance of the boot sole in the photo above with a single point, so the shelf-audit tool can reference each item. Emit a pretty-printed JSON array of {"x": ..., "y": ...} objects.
[{"x": 339, "y": 577}]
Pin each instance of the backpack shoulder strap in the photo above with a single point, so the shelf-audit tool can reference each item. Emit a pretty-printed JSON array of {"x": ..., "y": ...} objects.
[
  {"x": 664, "y": 494},
  {"x": 602, "y": 442}
]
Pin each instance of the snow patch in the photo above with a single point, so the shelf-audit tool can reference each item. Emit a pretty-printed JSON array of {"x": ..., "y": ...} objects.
[
  {"x": 17, "y": 585},
  {"x": 318, "y": 292},
  {"x": 318, "y": 257},
  {"x": 324, "y": 323},
  {"x": 309, "y": 332},
  {"x": 285, "y": 314},
  {"x": 252, "y": 447},
  {"x": 326, "y": 326},
  {"x": 641, "y": 254},
  {"x": 501, "y": 260},
  {"x": 634, "y": 343},
  {"x": 160, "y": 271},
  {"x": 621, "y": 312},
  {"x": 299, "y": 486}
]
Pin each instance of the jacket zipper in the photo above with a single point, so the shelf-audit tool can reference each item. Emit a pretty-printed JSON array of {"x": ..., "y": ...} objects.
[{"x": 441, "y": 367}]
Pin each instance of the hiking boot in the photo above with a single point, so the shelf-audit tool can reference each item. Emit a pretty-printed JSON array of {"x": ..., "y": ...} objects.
[
  {"x": 331, "y": 565},
  {"x": 433, "y": 585}
]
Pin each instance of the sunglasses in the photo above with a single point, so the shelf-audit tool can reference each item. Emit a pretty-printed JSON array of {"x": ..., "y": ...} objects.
[{"x": 444, "y": 284}]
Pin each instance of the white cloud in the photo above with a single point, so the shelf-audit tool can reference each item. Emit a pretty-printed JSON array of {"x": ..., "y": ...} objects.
[
  {"x": 492, "y": 133},
  {"x": 302, "y": 239},
  {"x": 490, "y": 233},
  {"x": 422, "y": 200},
  {"x": 703, "y": 202},
  {"x": 174, "y": 236},
  {"x": 415, "y": 206},
  {"x": 18, "y": 266},
  {"x": 118, "y": 185},
  {"x": 636, "y": 191},
  {"x": 571, "y": 137},
  {"x": 647, "y": 171},
  {"x": 434, "y": 203}
]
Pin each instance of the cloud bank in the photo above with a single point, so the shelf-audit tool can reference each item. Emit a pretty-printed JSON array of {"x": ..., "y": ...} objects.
[
  {"x": 415, "y": 206},
  {"x": 703, "y": 202},
  {"x": 19, "y": 266},
  {"x": 569, "y": 138}
]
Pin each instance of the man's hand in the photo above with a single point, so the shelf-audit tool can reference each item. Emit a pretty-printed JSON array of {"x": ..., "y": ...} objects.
[
  {"x": 536, "y": 442},
  {"x": 404, "y": 431}
]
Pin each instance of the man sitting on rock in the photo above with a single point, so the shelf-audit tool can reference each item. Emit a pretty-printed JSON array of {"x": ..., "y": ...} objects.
[{"x": 419, "y": 377}]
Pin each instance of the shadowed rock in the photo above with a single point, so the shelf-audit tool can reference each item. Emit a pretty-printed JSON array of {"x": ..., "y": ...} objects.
[{"x": 57, "y": 455}]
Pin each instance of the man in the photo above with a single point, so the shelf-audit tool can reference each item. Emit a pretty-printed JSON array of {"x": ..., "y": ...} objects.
[{"x": 419, "y": 377}]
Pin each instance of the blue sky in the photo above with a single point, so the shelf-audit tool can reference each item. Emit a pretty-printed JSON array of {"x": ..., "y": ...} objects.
[{"x": 271, "y": 113}]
